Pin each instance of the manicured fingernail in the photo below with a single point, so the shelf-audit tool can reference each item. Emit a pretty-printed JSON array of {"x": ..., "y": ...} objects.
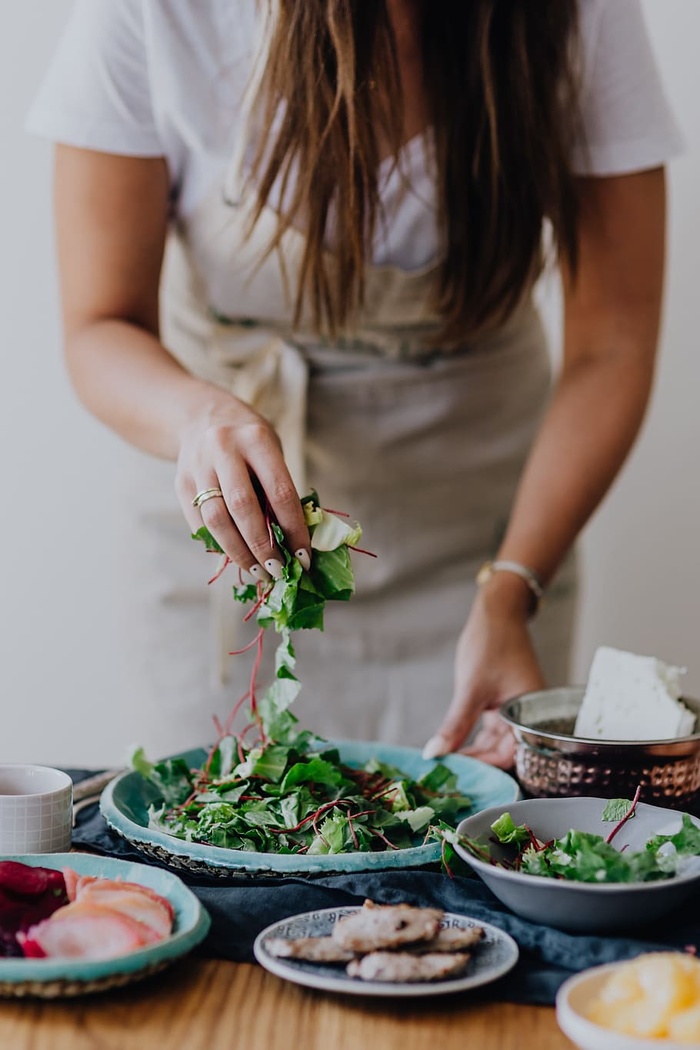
[
  {"x": 436, "y": 747},
  {"x": 274, "y": 567},
  {"x": 304, "y": 558},
  {"x": 259, "y": 573}
]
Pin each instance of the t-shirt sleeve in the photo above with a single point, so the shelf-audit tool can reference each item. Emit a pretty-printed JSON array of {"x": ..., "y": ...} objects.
[
  {"x": 627, "y": 123},
  {"x": 96, "y": 93}
]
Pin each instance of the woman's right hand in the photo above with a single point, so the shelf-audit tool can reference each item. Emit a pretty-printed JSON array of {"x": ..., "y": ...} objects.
[
  {"x": 229, "y": 446},
  {"x": 111, "y": 222}
]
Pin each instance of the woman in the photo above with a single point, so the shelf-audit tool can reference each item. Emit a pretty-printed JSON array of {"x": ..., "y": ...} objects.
[{"x": 354, "y": 196}]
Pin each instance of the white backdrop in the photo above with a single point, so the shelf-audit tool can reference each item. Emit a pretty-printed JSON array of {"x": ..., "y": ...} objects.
[{"x": 65, "y": 692}]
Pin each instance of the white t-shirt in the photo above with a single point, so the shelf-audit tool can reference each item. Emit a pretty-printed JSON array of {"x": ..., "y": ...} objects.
[{"x": 166, "y": 78}]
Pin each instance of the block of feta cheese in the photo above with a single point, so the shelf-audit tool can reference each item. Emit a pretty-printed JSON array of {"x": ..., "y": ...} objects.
[{"x": 630, "y": 697}]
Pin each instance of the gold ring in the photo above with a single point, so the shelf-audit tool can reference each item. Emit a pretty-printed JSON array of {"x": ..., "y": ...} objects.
[{"x": 206, "y": 494}]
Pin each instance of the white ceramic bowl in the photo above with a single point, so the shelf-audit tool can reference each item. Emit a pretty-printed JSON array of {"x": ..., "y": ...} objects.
[
  {"x": 578, "y": 906},
  {"x": 35, "y": 809},
  {"x": 573, "y": 999}
]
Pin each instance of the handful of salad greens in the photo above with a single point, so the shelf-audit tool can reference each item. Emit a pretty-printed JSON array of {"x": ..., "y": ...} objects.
[
  {"x": 285, "y": 790},
  {"x": 584, "y": 857}
]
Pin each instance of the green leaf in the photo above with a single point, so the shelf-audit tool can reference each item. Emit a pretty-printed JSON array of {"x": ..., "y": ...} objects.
[
  {"x": 285, "y": 657},
  {"x": 307, "y": 611},
  {"x": 205, "y": 537},
  {"x": 507, "y": 831},
  {"x": 247, "y": 593},
  {"x": 331, "y": 837},
  {"x": 397, "y": 797},
  {"x": 616, "y": 809},
  {"x": 172, "y": 779},
  {"x": 313, "y": 771},
  {"x": 329, "y": 531},
  {"x": 272, "y": 763},
  {"x": 686, "y": 841},
  {"x": 417, "y": 819},
  {"x": 139, "y": 762},
  {"x": 224, "y": 757},
  {"x": 439, "y": 778},
  {"x": 331, "y": 573}
]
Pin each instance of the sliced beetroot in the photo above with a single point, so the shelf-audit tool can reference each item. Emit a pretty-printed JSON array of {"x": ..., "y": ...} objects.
[
  {"x": 12, "y": 911},
  {"x": 56, "y": 882},
  {"x": 9, "y": 948},
  {"x": 28, "y": 895},
  {"x": 23, "y": 878},
  {"x": 30, "y": 948}
]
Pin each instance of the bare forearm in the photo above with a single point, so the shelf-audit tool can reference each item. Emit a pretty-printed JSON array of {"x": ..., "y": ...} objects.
[
  {"x": 129, "y": 381},
  {"x": 592, "y": 422},
  {"x": 612, "y": 309}
]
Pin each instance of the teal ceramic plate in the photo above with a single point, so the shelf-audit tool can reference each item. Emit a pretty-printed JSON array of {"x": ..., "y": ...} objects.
[
  {"x": 494, "y": 956},
  {"x": 54, "y": 978},
  {"x": 125, "y": 803}
]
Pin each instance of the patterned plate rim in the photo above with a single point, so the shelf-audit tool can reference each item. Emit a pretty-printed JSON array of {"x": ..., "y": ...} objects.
[{"x": 291, "y": 970}]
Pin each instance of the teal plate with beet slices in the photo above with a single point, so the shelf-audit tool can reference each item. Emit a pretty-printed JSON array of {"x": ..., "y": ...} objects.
[
  {"x": 58, "y": 978},
  {"x": 125, "y": 801}
]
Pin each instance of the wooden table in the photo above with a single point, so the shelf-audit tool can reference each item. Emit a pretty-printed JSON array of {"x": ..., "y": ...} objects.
[{"x": 202, "y": 1005}]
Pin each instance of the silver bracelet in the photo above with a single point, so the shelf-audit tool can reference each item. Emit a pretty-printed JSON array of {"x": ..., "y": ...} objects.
[{"x": 529, "y": 576}]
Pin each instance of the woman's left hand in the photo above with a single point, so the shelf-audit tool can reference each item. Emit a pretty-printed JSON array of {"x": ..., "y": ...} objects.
[{"x": 495, "y": 661}]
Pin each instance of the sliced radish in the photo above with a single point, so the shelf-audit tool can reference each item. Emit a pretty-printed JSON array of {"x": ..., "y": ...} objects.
[
  {"x": 71, "y": 879},
  {"x": 85, "y": 930},
  {"x": 96, "y": 885},
  {"x": 149, "y": 909}
]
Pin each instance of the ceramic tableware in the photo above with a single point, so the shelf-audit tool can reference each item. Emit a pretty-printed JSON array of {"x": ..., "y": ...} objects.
[
  {"x": 493, "y": 957},
  {"x": 125, "y": 803},
  {"x": 35, "y": 809},
  {"x": 58, "y": 978},
  {"x": 583, "y": 906}
]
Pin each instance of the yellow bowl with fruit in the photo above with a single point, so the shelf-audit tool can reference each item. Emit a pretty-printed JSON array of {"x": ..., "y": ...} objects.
[{"x": 646, "y": 1003}]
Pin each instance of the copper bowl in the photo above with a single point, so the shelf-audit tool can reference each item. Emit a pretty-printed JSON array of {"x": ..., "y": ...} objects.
[{"x": 552, "y": 763}]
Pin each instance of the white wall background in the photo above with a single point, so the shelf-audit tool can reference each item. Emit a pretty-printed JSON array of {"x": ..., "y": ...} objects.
[{"x": 63, "y": 689}]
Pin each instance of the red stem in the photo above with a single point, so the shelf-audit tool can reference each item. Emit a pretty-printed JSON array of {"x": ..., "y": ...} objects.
[
  {"x": 252, "y": 612},
  {"x": 384, "y": 839},
  {"x": 237, "y": 652},
  {"x": 226, "y": 561},
  {"x": 628, "y": 814},
  {"x": 446, "y": 866},
  {"x": 254, "y": 682}
]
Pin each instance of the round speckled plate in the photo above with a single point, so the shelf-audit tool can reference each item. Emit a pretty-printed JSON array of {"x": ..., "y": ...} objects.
[
  {"x": 494, "y": 956},
  {"x": 56, "y": 978},
  {"x": 125, "y": 803}
]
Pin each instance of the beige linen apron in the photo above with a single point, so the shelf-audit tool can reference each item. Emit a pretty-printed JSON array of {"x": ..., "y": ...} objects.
[{"x": 425, "y": 449}]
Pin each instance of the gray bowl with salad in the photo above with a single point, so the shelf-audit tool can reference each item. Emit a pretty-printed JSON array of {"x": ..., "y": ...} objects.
[{"x": 583, "y": 864}]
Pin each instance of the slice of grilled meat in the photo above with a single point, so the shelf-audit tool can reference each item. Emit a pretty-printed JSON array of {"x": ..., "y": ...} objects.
[
  {"x": 379, "y": 926},
  {"x": 404, "y": 967},
  {"x": 312, "y": 949}
]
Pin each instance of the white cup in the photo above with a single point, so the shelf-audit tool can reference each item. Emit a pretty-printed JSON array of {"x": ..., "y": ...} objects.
[{"x": 36, "y": 809}]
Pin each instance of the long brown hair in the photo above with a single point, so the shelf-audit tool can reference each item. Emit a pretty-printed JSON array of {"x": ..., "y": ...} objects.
[{"x": 500, "y": 80}]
